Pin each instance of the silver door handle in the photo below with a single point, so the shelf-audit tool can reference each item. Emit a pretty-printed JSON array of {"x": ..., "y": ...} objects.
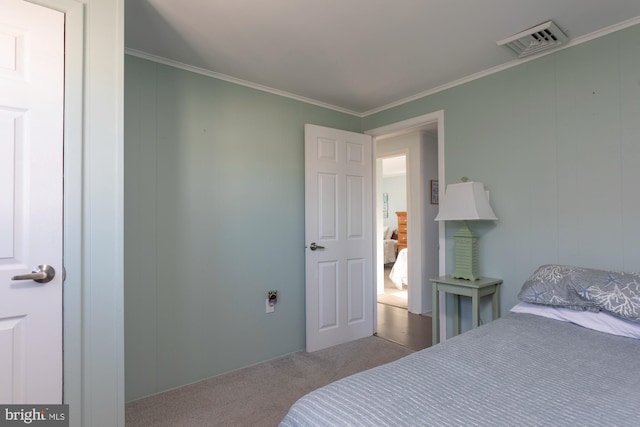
[
  {"x": 41, "y": 274},
  {"x": 313, "y": 246}
]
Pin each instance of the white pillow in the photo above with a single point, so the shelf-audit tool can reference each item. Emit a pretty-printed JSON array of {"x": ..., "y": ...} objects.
[
  {"x": 388, "y": 232},
  {"x": 600, "y": 321}
]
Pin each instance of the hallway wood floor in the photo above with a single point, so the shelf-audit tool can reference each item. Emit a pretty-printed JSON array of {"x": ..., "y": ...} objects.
[{"x": 407, "y": 329}]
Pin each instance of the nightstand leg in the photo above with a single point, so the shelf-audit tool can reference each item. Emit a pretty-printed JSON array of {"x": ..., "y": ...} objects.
[
  {"x": 435, "y": 316},
  {"x": 475, "y": 309},
  {"x": 456, "y": 314},
  {"x": 495, "y": 303}
]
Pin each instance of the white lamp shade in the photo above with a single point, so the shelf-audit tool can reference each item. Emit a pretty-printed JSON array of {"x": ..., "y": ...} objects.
[{"x": 465, "y": 201}]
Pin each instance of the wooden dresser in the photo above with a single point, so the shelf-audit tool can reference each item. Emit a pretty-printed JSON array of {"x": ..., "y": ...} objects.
[{"x": 402, "y": 230}]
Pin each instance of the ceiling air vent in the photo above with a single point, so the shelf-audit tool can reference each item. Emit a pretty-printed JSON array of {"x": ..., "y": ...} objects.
[{"x": 541, "y": 37}]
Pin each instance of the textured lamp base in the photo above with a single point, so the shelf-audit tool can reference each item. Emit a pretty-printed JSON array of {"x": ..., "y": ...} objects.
[{"x": 466, "y": 254}]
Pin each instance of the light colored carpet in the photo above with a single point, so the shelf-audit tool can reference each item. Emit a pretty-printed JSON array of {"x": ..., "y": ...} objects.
[
  {"x": 260, "y": 395},
  {"x": 392, "y": 295}
]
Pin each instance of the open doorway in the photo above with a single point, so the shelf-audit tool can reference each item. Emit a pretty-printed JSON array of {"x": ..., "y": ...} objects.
[
  {"x": 419, "y": 148},
  {"x": 421, "y": 142},
  {"x": 394, "y": 289}
]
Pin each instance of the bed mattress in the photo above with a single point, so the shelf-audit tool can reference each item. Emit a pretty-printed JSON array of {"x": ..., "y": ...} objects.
[{"x": 522, "y": 370}]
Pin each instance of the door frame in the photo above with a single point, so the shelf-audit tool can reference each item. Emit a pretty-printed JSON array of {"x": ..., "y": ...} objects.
[{"x": 393, "y": 129}]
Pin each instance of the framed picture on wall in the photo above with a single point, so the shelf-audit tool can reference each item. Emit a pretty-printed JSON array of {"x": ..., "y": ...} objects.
[{"x": 434, "y": 191}]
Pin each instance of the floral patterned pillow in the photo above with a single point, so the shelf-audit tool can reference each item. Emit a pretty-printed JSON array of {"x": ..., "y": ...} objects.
[{"x": 583, "y": 289}]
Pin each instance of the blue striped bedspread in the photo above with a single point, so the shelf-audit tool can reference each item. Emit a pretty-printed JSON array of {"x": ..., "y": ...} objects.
[{"x": 520, "y": 370}]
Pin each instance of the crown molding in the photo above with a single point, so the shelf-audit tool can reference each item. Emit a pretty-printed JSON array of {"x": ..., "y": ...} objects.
[
  {"x": 578, "y": 40},
  {"x": 513, "y": 63},
  {"x": 230, "y": 79}
]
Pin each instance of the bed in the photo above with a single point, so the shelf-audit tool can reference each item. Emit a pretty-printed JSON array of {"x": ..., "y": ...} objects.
[
  {"x": 399, "y": 273},
  {"x": 390, "y": 245},
  {"x": 568, "y": 355}
]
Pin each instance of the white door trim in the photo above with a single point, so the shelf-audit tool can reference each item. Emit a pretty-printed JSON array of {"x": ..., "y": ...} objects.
[{"x": 405, "y": 126}]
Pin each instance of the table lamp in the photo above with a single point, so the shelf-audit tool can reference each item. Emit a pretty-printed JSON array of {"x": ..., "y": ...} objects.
[{"x": 465, "y": 201}]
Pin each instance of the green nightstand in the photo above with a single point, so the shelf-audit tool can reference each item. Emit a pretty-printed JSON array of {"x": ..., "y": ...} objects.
[{"x": 469, "y": 288}]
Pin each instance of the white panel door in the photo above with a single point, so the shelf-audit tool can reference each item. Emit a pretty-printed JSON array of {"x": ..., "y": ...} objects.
[
  {"x": 339, "y": 230},
  {"x": 31, "y": 125}
]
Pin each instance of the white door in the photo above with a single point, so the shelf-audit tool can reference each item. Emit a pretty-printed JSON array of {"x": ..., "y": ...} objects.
[
  {"x": 31, "y": 124},
  {"x": 339, "y": 229}
]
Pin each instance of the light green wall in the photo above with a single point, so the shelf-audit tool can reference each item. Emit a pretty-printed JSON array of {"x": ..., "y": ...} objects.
[
  {"x": 557, "y": 142},
  {"x": 396, "y": 189},
  {"x": 214, "y": 200},
  {"x": 214, "y": 218}
]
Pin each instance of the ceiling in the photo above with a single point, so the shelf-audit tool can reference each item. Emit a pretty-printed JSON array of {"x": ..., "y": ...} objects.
[{"x": 356, "y": 56}]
